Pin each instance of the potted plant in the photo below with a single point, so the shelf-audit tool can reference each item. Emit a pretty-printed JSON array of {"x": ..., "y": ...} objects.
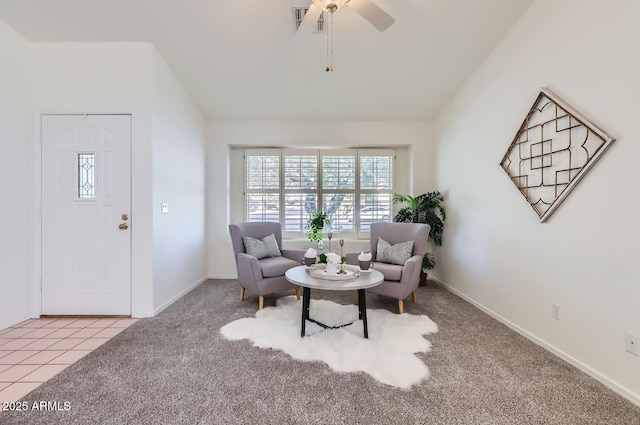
[
  {"x": 425, "y": 208},
  {"x": 315, "y": 225}
]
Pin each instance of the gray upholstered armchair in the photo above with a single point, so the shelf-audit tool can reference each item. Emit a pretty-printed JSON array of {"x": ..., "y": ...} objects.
[
  {"x": 264, "y": 275},
  {"x": 403, "y": 277}
]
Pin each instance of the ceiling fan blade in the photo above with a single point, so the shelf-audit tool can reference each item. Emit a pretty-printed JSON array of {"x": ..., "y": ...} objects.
[
  {"x": 308, "y": 24},
  {"x": 372, "y": 13}
]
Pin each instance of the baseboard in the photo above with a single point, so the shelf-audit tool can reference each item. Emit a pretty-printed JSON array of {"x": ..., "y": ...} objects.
[
  {"x": 8, "y": 324},
  {"x": 223, "y": 277},
  {"x": 624, "y": 392},
  {"x": 178, "y": 296}
]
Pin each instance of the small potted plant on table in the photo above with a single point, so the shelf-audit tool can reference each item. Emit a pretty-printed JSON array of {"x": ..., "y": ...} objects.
[{"x": 315, "y": 226}]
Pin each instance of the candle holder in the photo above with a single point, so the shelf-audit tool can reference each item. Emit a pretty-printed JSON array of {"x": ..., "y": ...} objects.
[{"x": 341, "y": 263}]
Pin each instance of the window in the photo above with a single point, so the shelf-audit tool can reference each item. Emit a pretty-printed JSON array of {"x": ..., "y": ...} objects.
[
  {"x": 354, "y": 186},
  {"x": 85, "y": 176}
]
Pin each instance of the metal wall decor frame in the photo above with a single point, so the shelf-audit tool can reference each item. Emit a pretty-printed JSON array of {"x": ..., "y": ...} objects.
[{"x": 552, "y": 151}]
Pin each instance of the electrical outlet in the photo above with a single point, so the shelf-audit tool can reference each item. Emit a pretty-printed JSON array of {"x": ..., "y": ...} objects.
[
  {"x": 555, "y": 311},
  {"x": 631, "y": 343}
]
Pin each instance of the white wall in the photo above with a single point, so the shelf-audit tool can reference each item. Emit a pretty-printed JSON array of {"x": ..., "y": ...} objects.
[
  {"x": 224, "y": 134},
  {"x": 107, "y": 78},
  {"x": 179, "y": 143},
  {"x": 585, "y": 257},
  {"x": 16, "y": 180}
]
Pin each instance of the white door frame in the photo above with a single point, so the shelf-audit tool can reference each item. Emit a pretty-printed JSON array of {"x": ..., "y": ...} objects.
[{"x": 36, "y": 201}]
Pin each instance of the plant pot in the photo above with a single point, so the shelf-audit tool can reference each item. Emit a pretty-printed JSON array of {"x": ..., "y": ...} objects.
[{"x": 423, "y": 279}]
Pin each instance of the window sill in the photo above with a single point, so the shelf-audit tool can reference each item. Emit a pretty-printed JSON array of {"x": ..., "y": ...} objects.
[{"x": 349, "y": 244}]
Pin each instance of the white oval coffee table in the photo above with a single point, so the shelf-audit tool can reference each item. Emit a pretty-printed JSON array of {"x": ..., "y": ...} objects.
[{"x": 301, "y": 276}]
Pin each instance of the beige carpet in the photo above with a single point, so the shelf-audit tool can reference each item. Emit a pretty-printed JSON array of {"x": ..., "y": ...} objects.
[{"x": 176, "y": 368}]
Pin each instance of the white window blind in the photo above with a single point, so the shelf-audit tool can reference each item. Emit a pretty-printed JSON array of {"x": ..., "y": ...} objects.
[
  {"x": 262, "y": 184},
  {"x": 353, "y": 186}
]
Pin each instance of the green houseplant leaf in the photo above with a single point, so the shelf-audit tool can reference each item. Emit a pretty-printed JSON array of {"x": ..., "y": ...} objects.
[
  {"x": 315, "y": 225},
  {"x": 426, "y": 208}
]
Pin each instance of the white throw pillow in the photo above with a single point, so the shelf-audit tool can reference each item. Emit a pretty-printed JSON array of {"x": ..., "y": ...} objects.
[
  {"x": 394, "y": 254},
  {"x": 266, "y": 247}
]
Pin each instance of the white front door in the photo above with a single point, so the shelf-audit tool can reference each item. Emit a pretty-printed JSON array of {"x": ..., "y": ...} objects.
[{"x": 86, "y": 214}]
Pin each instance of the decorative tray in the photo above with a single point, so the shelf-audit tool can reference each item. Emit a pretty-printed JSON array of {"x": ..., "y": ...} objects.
[{"x": 319, "y": 271}]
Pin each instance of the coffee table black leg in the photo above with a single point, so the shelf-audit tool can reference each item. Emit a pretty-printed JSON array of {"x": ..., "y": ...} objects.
[
  {"x": 362, "y": 311},
  {"x": 306, "y": 295}
]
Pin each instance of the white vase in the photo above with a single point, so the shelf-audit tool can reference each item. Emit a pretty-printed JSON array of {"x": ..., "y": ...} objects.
[{"x": 332, "y": 269}]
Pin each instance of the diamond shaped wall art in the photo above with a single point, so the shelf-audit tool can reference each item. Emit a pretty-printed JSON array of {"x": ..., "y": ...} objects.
[{"x": 553, "y": 150}]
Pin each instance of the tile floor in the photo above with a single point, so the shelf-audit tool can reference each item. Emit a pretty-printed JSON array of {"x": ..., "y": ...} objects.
[{"x": 35, "y": 350}]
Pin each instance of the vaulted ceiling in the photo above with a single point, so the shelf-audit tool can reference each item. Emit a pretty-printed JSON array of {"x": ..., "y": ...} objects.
[{"x": 242, "y": 59}]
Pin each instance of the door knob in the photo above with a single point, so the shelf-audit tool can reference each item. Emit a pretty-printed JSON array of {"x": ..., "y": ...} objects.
[
  {"x": 125, "y": 217},
  {"x": 123, "y": 226}
]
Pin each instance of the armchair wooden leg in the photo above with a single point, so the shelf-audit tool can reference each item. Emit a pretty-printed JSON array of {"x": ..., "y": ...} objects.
[
  {"x": 413, "y": 297},
  {"x": 297, "y": 293},
  {"x": 260, "y": 302},
  {"x": 242, "y": 294},
  {"x": 356, "y": 301},
  {"x": 401, "y": 306}
]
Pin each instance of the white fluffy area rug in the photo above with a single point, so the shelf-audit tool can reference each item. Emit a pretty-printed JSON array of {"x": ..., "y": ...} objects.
[{"x": 388, "y": 354}]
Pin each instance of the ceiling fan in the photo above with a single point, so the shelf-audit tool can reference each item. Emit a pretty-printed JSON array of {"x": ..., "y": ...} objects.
[{"x": 365, "y": 8}]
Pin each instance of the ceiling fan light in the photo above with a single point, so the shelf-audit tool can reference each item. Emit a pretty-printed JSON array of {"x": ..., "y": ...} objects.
[{"x": 330, "y": 5}]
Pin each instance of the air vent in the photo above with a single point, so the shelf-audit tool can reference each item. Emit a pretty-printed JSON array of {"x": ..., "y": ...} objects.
[{"x": 298, "y": 16}]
